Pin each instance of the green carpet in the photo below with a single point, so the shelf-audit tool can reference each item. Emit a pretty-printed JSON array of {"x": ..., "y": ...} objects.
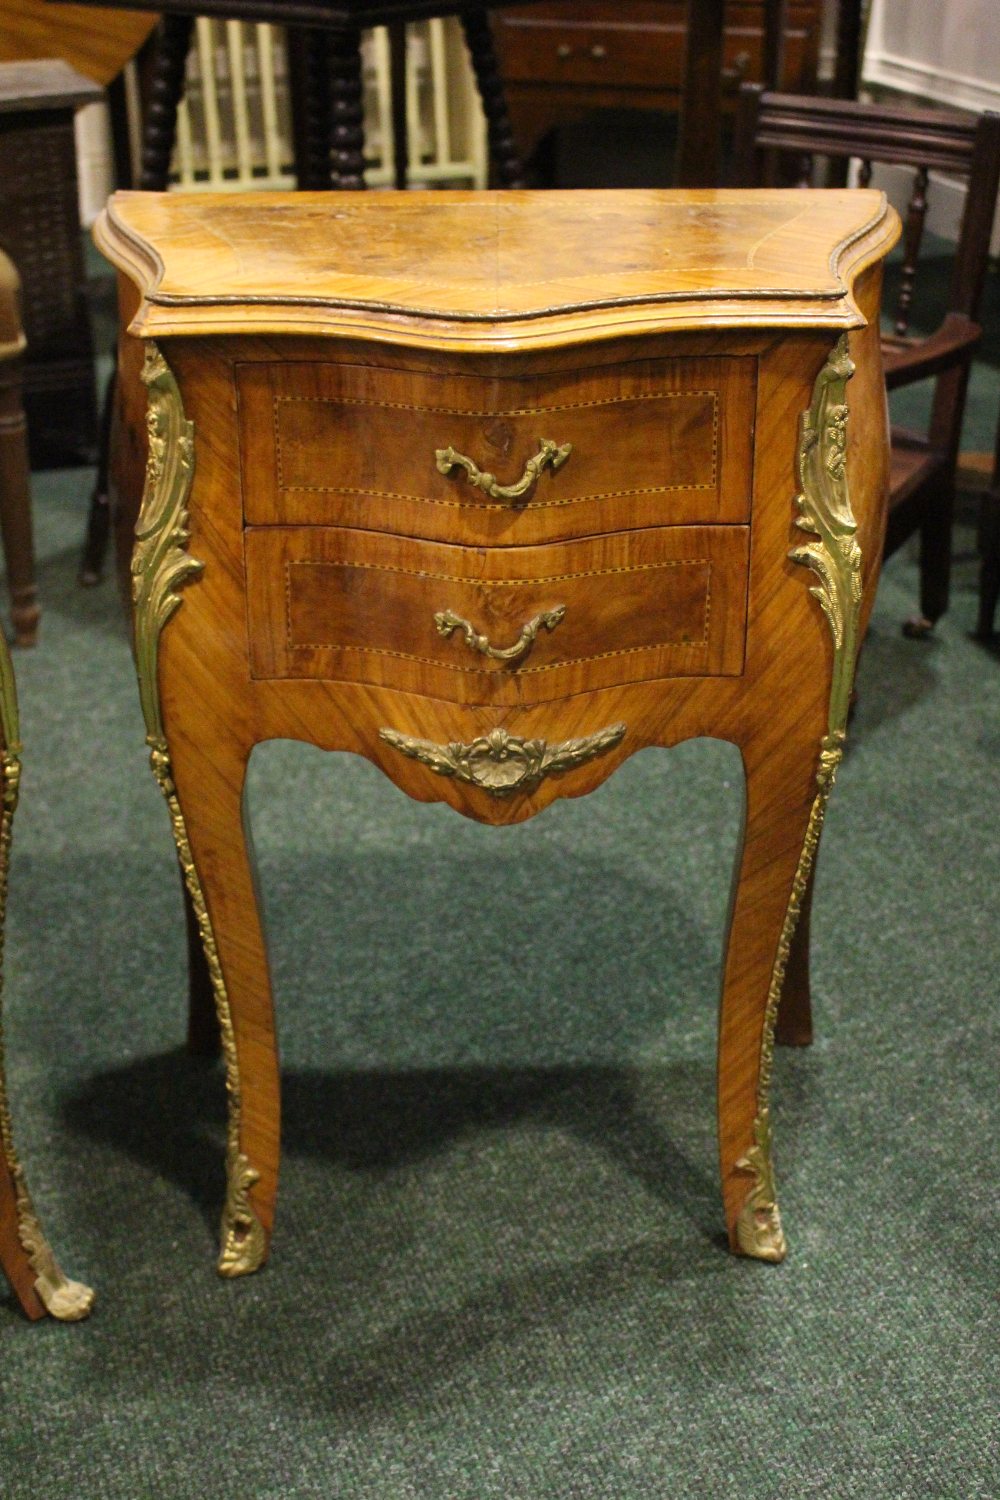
[{"x": 498, "y": 1269}]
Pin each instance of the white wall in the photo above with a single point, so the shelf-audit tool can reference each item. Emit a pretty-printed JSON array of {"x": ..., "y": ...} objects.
[
  {"x": 947, "y": 52},
  {"x": 94, "y": 169}
]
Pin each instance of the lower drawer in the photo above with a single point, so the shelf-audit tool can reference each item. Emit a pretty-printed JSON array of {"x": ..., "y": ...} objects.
[{"x": 496, "y": 625}]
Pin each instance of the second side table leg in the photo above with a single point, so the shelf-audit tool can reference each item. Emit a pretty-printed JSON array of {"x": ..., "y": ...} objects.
[{"x": 26, "y": 1258}]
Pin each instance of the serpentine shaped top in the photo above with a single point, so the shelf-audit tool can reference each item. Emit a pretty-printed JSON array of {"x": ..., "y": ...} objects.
[{"x": 494, "y": 271}]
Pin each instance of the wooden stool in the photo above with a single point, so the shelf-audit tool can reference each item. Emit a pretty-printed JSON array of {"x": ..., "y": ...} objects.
[
  {"x": 15, "y": 479},
  {"x": 25, "y": 1256}
]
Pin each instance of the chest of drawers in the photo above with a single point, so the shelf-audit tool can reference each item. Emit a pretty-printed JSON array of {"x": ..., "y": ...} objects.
[
  {"x": 495, "y": 490},
  {"x": 565, "y": 62}
]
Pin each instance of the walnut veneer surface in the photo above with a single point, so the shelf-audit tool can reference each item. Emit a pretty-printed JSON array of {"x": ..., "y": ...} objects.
[{"x": 495, "y": 490}]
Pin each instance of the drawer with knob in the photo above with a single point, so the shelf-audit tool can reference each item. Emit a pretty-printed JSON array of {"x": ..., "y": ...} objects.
[
  {"x": 498, "y": 625},
  {"x": 466, "y": 458},
  {"x": 590, "y": 53},
  {"x": 639, "y": 45}
]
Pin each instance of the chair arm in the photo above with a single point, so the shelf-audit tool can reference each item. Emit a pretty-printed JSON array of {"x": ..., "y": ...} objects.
[{"x": 950, "y": 345}]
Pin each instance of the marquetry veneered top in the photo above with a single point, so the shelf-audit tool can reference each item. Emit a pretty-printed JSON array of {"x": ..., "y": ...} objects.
[{"x": 494, "y": 270}]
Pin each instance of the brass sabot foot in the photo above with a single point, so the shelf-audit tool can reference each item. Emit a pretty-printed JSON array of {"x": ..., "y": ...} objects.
[
  {"x": 67, "y": 1301},
  {"x": 759, "y": 1233},
  {"x": 758, "y": 1229},
  {"x": 243, "y": 1246}
]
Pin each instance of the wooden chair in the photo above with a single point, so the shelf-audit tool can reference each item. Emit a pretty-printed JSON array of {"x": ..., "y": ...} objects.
[{"x": 771, "y": 126}]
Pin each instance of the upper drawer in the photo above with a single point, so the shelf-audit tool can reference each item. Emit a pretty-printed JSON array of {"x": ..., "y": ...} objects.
[{"x": 651, "y": 443}]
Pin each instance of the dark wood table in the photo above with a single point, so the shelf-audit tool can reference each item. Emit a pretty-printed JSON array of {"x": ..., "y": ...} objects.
[
  {"x": 325, "y": 65},
  {"x": 578, "y": 484}
]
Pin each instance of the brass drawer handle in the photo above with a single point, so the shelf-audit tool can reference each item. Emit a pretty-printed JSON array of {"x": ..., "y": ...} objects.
[
  {"x": 447, "y": 621},
  {"x": 501, "y": 763},
  {"x": 548, "y": 453}
]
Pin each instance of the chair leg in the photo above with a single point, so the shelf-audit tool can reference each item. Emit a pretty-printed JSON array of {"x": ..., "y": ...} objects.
[
  {"x": 504, "y": 154},
  {"x": 15, "y": 506},
  {"x": 989, "y": 552},
  {"x": 935, "y": 562},
  {"x": 989, "y": 570}
]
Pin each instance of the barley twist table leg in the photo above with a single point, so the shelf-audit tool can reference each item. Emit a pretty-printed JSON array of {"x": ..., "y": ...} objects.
[
  {"x": 347, "y": 115},
  {"x": 503, "y": 151},
  {"x": 160, "y": 129}
]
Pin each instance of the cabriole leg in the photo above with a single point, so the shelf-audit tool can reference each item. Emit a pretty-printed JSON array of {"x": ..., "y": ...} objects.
[
  {"x": 785, "y": 801},
  {"x": 786, "y": 793},
  {"x": 27, "y": 1260},
  {"x": 204, "y": 793}
]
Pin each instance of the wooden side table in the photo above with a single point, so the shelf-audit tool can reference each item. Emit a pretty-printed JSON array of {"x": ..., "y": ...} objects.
[
  {"x": 26, "y": 1258},
  {"x": 495, "y": 490}
]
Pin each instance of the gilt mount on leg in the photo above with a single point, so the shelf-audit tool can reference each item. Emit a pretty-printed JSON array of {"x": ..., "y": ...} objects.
[{"x": 824, "y": 511}]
